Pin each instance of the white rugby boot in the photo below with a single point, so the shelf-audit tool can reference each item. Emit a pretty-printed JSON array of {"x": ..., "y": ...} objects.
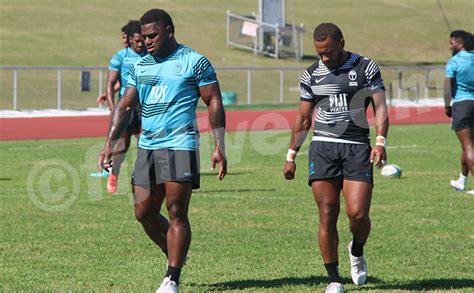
[
  {"x": 456, "y": 185},
  {"x": 168, "y": 286},
  {"x": 358, "y": 267},
  {"x": 334, "y": 287}
]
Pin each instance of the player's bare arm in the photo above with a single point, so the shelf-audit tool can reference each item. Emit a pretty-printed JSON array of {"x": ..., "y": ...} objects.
[
  {"x": 298, "y": 136},
  {"x": 112, "y": 80},
  {"x": 211, "y": 95},
  {"x": 103, "y": 97},
  {"x": 379, "y": 155},
  {"x": 448, "y": 94},
  {"x": 117, "y": 124}
]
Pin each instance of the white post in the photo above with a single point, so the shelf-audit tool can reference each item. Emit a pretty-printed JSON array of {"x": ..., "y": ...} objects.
[
  {"x": 427, "y": 84},
  {"x": 277, "y": 41},
  {"x": 249, "y": 87},
  {"x": 59, "y": 89},
  {"x": 15, "y": 87},
  {"x": 417, "y": 89},
  {"x": 390, "y": 93},
  {"x": 301, "y": 42},
  {"x": 281, "y": 86},
  {"x": 399, "y": 85},
  {"x": 227, "y": 29},
  {"x": 100, "y": 85},
  {"x": 255, "y": 41}
]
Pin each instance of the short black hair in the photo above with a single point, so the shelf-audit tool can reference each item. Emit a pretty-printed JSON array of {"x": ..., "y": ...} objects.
[
  {"x": 469, "y": 45},
  {"x": 125, "y": 27},
  {"x": 157, "y": 15},
  {"x": 325, "y": 30},
  {"x": 133, "y": 27},
  {"x": 465, "y": 37}
]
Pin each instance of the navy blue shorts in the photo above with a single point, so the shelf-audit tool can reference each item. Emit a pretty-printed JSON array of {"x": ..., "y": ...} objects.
[
  {"x": 332, "y": 160},
  {"x": 155, "y": 167},
  {"x": 463, "y": 115}
]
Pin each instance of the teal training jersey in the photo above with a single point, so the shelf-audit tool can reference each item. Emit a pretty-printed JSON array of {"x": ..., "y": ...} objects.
[
  {"x": 461, "y": 68},
  {"x": 121, "y": 61},
  {"x": 168, "y": 92}
]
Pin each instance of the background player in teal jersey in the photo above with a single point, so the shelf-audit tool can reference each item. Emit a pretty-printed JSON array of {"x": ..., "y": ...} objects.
[
  {"x": 459, "y": 99},
  {"x": 125, "y": 40},
  {"x": 118, "y": 72},
  {"x": 168, "y": 83}
]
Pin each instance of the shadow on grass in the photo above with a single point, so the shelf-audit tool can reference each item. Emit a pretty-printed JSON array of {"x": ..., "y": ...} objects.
[
  {"x": 236, "y": 190},
  {"x": 419, "y": 285},
  {"x": 228, "y": 174},
  {"x": 373, "y": 283},
  {"x": 275, "y": 283}
]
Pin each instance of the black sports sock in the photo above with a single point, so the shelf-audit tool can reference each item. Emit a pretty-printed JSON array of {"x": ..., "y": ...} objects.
[
  {"x": 173, "y": 273},
  {"x": 357, "y": 248},
  {"x": 333, "y": 272}
]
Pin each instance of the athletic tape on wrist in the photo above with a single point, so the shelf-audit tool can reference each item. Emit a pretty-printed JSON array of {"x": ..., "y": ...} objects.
[
  {"x": 381, "y": 140},
  {"x": 289, "y": 155}
]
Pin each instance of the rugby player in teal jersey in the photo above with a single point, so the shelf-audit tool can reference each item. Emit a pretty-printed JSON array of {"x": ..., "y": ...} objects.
[
  {"x": 118, "y": 72},
  {"x": 168, "y": 83},
  {"x": 103, "y": 97},
  {"x": 459, "y": 100}
]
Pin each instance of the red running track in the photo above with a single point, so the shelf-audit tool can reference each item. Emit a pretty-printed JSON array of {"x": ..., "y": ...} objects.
[{"x": 97, "y": 126}]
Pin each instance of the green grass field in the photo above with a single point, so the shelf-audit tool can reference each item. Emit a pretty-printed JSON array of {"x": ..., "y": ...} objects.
[
  {"x": 253, "y": 232},
  {"x": 87, "y": 33}
]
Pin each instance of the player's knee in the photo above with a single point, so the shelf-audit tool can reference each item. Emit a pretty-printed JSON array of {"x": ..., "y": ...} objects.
[
  {"x": 469, "y": 157},
  {"x": 141, "y": 214},
  {"x": 358, "y": 217},
  {"x": 177, "y": 212},
  {"x": 328, "y": 214}
]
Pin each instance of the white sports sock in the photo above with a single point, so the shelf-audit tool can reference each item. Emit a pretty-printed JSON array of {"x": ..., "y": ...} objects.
[{"x": 462, "y": 179}]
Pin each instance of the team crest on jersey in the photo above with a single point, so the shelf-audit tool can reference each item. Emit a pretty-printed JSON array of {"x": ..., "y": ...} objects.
[
  {"x": 177, "y": 68},
  {"x": 352, "y": 77}
]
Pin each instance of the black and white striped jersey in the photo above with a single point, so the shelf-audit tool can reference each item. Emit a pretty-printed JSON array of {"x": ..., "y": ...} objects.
[{"x": 341, "y": 97}]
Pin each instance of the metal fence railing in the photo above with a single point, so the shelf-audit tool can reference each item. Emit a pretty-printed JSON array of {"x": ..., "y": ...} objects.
[{"x": 62, "y": 87}]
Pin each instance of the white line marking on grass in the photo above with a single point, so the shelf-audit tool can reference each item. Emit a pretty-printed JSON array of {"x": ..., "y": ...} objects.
[{"x": 395, "y": 147}]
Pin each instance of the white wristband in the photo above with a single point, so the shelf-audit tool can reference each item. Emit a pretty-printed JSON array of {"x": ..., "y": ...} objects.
[
  {"x": 290, "y": 156},
  {"x": 381, "y": 140}
]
